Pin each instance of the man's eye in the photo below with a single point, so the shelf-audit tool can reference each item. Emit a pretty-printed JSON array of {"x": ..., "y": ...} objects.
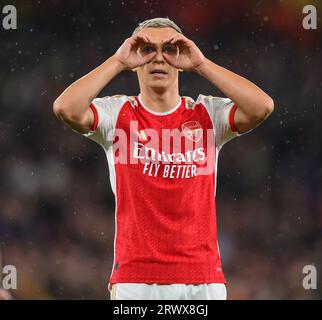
[
  {"x": 147, "y": 49},
  {"x": 172, "y": 49}
]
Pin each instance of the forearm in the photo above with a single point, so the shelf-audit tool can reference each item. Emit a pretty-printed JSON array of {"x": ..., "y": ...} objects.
[
  {"x": 250, "y": 99},
  {"x": 74, "y": 101}
]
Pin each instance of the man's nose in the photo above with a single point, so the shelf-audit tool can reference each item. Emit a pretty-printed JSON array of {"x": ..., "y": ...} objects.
[{"x": 158, "y": 57}]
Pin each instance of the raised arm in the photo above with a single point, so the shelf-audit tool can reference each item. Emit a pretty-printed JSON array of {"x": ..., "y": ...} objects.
[
  {"x": 72, "y": 106},
  {"x": 254, "y": 105}
]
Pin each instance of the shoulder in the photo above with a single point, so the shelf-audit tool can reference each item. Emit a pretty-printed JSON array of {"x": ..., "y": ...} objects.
[
  {"x": 212, "y": 101},
  {"x": 117, "y": 100}
]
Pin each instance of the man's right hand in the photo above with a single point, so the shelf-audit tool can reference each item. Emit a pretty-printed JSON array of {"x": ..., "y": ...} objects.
[
  {"x": 127, "y": 55},
  {"x": 72, "y": 106}
]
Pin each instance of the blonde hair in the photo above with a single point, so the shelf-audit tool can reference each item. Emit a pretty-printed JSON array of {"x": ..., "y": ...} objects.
[{"x": 157, "y": 23}]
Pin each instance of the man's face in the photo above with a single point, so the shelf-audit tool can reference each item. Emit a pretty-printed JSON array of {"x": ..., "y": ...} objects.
[{"x": 148, "y": 74}]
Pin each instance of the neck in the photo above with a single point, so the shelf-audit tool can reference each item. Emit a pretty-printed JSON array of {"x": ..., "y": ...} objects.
[{"x": 160, "y": 101}]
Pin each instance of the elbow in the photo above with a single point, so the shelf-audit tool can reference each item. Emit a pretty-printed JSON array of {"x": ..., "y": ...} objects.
[
  {"x": 62, "y": 110},
  {"x": 265, "y": 109},
  {"x": 65, "y": 112},
  {"x": 261, "y": 111},
  {"x": 269, "y": 107},
  {"x": 58, "y": 108}
]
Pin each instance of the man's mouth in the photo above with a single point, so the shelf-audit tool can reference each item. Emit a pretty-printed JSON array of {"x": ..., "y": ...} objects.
[{"x": 158, "y": 72}]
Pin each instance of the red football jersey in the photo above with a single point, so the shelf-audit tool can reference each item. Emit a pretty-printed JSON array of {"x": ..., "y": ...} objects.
[{"x": 163, "y": 169}]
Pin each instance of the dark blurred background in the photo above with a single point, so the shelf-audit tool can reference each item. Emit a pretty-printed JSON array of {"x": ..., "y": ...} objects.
[{"x": 56, "y": 204}]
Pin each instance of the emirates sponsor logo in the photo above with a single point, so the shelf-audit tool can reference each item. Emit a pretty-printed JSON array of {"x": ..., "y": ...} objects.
[
  {"x": 175, "y": 165},
  {"x": 192, "y": 130},
  {"x": 149, "y": 154},
  {"x": 185, "y": 151}
]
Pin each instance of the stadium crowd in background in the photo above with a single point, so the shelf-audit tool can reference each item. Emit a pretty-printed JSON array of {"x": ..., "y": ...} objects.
[{"x": 57, "y": 208}]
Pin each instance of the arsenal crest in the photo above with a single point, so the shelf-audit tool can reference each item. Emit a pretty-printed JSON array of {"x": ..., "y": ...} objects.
[{"x": 192, "y": 130}]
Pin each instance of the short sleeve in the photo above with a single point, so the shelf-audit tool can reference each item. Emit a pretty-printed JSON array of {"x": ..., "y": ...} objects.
[
  {"x": 221, "y": 112},
  {"x": 105, "y": 112}
]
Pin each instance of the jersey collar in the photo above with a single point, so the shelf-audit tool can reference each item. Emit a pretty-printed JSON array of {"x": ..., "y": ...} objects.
[{"x": 160, "y": 113}]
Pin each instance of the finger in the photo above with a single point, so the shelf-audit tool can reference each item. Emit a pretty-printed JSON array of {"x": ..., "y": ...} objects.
[
  {"x": 175, "y": 41},
  {"x": 167, "y": 40},
  {"x": 141, "y": 40},
  {"x": 148, "y": 38},
  {"x": 178, "y": 38},
  {"x": 142, "y": 37},
  {"x": 171, "y": 60},
  {"x": 149, "y": 57}
]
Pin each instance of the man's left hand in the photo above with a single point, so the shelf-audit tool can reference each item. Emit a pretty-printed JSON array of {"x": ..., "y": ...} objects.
[{"x": 189, "y": 57}]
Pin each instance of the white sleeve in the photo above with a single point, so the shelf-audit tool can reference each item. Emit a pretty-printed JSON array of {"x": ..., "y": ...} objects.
[
  {"x": 105, "y": 112},
  {"x": 221, "y": 112}
]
